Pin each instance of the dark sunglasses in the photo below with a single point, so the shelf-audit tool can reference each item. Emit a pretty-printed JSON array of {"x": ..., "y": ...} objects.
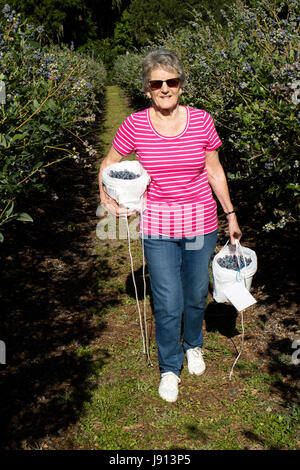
[{"x": 157, "y": 84}]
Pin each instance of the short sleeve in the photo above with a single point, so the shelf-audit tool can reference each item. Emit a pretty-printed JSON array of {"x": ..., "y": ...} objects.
[
  {"x": 213, "y": 140},
  {"x": 124, "y": 141}
]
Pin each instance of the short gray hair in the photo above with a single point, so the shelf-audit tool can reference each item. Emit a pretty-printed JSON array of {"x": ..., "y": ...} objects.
[{"x": 161, "y": 58}]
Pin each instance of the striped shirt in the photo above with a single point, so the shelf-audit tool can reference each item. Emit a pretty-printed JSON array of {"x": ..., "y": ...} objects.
[{"x": 179, "y": 200}]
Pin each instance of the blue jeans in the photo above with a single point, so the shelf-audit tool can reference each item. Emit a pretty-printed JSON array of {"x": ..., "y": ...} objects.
[{"x": 179, "y": 277}]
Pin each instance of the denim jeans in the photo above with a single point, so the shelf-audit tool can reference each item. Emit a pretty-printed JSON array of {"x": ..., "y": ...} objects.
[{"x": 179, "y": 278}]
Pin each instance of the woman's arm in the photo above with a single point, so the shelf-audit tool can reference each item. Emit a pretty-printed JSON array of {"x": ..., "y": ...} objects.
[
  {"x": 110, "y": 204},
  {"x": 218, "y": 182}
]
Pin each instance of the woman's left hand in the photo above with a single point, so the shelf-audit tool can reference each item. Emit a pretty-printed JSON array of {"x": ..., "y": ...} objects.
[{"x": 235, "y": 232}]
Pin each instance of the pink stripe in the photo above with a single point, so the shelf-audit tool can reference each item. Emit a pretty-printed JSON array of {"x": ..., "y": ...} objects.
[{"x": 176, "y": 166}]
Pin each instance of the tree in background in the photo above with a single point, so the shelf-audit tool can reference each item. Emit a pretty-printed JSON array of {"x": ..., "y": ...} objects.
[
  {"x": 143, "y": 20},
  {"x": 108, "y": 28},
  {"x": 77, "y": 21}
]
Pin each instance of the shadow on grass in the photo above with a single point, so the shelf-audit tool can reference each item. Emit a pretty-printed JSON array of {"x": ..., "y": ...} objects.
[
  {"x": 130, "y": 290},
  {"x": 194, "y": 432},
  {"x": 51, "y": 309},
  {"x": 280, "y": 362},
  {"x": 222, "y": 318}
]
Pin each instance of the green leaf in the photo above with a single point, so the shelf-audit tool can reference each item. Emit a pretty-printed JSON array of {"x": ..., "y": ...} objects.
[
  {"x": 1, "y": 237},
  {"x": 38, "y": 165},
  {"x": 34, "y": 44},
  {"x": 10, "y": 209},
  {"x": 35, "y": 103},
  {"x": 293, "y": 186},
  {"x": 45, "y": 128},
  {"x": 51, "y": 104},
  {"x": 23, "y": 217},
  {"x": 18, "y": 137},
  {"x": 3, "y": 140}
]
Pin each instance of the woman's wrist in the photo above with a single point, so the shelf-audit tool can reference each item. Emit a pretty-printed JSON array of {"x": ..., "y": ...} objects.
[
  {"x": 231, "y": 218},
  {"x": 233, "y": 211}
]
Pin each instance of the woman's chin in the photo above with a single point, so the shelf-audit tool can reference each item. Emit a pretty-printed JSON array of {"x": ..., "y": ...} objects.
[{"x": 166, "y": 103}]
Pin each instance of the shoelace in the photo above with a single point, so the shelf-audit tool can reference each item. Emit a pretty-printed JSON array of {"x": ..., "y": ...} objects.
[
  {"x": 197, "y": 352},
  {"x": 168, "y": 378}
]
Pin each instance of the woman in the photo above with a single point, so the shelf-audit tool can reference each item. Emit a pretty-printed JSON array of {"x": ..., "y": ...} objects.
[{"x": 177, "y": 145}]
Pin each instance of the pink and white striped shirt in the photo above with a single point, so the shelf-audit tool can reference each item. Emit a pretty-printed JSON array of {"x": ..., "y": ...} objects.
[{"x": 179, "y": 199}]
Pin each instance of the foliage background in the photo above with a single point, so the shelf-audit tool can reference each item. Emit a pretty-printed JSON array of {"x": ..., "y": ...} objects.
[
  {"x": 245, "y": 72},
  {"x": 241, "y": 60},
  {"x": 51, "y": 93},
  {"x": 108, "y": 28}
]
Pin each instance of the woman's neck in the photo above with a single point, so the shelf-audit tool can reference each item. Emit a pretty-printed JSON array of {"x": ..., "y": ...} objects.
[
  {"x": 169, "y": 124},
  {"x": 165, "y": 114}
]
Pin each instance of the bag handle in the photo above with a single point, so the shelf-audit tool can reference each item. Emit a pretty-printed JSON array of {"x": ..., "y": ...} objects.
[
  {"x": 240, "y": 273},
  {"x": 239, "y": 247}
]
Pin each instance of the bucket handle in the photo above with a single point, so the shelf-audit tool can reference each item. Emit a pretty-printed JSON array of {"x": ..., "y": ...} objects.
[{"x": 239, "y": 246}]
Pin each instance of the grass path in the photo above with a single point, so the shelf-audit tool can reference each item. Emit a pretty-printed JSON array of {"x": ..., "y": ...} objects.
[
  {"x": 117, "y": 110},
  {"x": 122, "y": 409}
]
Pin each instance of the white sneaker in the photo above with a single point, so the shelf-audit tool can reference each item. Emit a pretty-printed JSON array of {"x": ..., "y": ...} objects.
[
  {"x": 168, "y": 387},
  {"x": 196, "y": 364}
]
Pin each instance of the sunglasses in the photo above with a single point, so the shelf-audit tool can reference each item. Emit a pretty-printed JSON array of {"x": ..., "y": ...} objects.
[{"x": 157, "y": 84}]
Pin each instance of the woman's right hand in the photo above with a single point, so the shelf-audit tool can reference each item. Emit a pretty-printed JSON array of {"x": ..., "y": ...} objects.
[
  {"x": 112, "y": 206},
  {"x": 107, "y": 202}
]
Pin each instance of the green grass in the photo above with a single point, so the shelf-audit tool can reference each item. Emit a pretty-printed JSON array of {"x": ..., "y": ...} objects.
[
  {"x": 115, "y": 113},
  {"x": 106, "y": 425},
  {"x": 125, "y": 411}
]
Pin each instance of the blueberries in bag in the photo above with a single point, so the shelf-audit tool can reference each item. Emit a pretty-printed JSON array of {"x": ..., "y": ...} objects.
[
  {"x": 123, "y": 174},
  {"x": 231, "y": 262}
]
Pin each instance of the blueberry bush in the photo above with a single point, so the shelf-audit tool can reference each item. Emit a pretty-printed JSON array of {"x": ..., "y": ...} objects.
[
  {"x": 245, "y": 72},
  {"x": 48, "y": 97},
  {"x": 127, "y": 73}
]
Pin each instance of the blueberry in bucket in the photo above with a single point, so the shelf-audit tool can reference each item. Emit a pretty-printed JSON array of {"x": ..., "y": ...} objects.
[
  {"x": 231, "y": 262},
  {"x": 123, "y": 174}
]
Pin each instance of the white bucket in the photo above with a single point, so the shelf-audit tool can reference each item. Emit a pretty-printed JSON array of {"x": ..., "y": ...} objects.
[
  {"x": 224, "y": 277},
  {"x": 127, "y": 193}
]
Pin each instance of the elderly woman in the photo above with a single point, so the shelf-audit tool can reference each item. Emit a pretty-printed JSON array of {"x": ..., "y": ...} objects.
[{"x": 177, "y": 145}]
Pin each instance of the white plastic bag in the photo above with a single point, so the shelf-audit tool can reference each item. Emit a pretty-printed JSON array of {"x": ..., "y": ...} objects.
[
  {"x": 224, "y": 277},
  {"x": 127, "y": 193}
]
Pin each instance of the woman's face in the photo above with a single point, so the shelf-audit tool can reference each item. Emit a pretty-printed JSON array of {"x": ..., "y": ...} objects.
[{"x": 165, "y": 98}]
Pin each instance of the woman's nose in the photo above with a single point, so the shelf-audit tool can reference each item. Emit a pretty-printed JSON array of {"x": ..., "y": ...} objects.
[{"x": 164, "y": 87}]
